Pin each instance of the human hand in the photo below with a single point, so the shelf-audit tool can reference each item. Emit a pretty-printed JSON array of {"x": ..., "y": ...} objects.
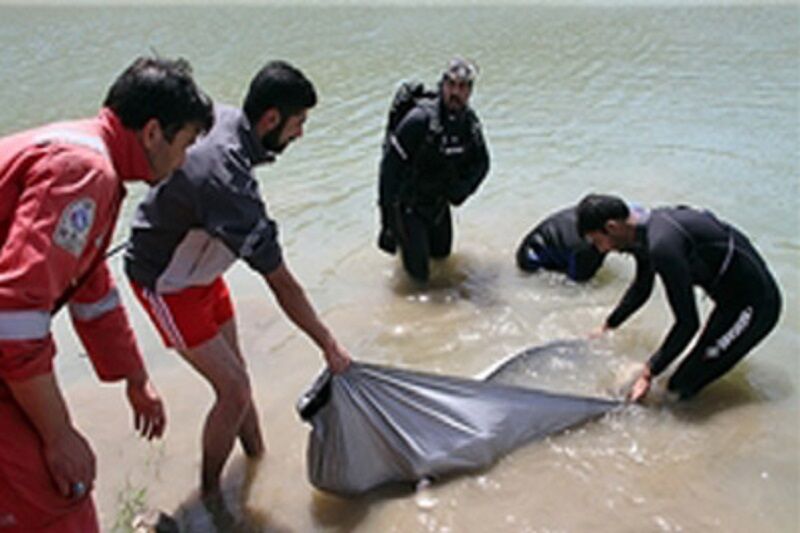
[
  {"x": 457, "y": 189},
  {"x": 641, "y": 386},
  {"x": 337, "y": 357},
  {"x": 71, "y": 463},
  {"x": 599, "y": 331},
  {"x": 149, "y": 418},
  {"x": 387, "y": 241}
]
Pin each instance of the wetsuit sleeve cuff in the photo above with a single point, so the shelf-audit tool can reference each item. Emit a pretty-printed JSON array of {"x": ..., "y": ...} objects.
[{"x": 655, "y": 366}]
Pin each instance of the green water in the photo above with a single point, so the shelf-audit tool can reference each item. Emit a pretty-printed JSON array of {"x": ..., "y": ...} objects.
[{"x": 662, "y": 105}]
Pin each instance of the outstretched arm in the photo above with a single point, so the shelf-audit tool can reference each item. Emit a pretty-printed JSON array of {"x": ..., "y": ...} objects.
[
  {"x": 673, "y": 269},
  {"x": 637, "y": 294},
  {"x": 292, "y": 299}
]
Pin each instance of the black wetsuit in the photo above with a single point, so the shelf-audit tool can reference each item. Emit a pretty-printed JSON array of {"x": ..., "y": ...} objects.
[
  {"x": 688, "y": 247},
  {"x": 554, "y": 244},
  {"x": 432, "y": 160}
]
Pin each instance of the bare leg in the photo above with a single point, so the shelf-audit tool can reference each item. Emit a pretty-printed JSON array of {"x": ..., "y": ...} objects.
[
  {"x": 221, "y": 366},
  {"x": 250, "y": 431}
]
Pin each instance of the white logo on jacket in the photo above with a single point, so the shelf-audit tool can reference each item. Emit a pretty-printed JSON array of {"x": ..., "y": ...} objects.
[{"x": 74, "y": 225}]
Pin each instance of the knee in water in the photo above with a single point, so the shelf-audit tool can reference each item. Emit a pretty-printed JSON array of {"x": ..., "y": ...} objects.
[{"x": 418, "y": 272}]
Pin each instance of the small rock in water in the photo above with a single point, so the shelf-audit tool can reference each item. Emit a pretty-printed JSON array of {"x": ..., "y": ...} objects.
[{"x": 424, "y": 499}]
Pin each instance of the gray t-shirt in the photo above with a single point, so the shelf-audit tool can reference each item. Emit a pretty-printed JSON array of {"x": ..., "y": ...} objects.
[{"x": 193, "y": 226}]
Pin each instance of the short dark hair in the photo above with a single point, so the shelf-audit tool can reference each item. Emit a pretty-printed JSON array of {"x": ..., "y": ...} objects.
[
  {"x": 278, "y": 84},
  {"x": 597, "y": 209},
  {"x": 155, "y": 87}
]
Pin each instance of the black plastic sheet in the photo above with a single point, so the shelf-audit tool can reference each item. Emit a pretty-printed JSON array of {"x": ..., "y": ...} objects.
[{"x": 374, "y": 425}]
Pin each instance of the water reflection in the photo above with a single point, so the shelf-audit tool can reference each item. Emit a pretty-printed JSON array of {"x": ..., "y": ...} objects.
[{"x": 460, "y": 277}]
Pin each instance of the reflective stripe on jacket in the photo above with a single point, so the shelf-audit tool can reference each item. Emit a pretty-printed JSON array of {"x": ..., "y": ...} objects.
[{"x": 60, "y": 193}]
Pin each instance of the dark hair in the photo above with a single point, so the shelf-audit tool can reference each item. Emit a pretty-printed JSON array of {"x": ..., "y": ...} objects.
[
  {"x": 278, "y": 84},
  {"x": 155, "y": 87},
  {"x": 597, "y": 209}
]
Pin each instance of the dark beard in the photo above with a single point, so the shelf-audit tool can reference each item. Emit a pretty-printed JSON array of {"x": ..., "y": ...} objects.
[
  {"x": 456, "y": 112},
  {"x": 455, "y": 104},
  {"x": 271, "y": 140}
]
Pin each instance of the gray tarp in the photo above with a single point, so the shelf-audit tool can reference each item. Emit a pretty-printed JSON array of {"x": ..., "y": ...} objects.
[{"x": 374, "y": 425}]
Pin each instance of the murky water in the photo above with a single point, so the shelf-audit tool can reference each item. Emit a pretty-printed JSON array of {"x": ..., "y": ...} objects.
[{"x": 663, "y": 105}]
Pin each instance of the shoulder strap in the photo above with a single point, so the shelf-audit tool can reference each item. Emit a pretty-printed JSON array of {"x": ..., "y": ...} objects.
[{"x": 431, "y": 107}]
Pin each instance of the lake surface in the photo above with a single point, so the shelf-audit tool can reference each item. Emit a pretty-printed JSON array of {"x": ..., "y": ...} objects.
[{"x": 662, "y": 105}]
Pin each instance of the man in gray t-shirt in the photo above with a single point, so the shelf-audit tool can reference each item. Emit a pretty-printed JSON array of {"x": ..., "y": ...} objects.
[{"x": 189, "y": 230}]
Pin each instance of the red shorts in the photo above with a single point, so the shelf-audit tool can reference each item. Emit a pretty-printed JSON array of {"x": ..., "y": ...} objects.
[{"x": 190, "y": 317}]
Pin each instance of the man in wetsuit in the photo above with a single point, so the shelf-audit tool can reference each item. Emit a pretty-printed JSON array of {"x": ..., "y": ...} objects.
[
  {"x": 435, "y": 157},
  {"x": 554, "y": 244},
  {"x": 189, "y": 230},
  {"x": 687, "y": 247},
  {"x": 61, "y": 187}
]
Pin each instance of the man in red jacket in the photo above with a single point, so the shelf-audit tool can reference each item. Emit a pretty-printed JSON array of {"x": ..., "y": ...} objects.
[{"x": 61, "y": 187}]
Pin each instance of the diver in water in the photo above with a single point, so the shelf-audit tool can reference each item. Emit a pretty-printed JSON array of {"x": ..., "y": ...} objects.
[
  {"x": 687, "y": 247},
  {"x": 434, "y": 156},
  {"x": 554, "y": 244}
]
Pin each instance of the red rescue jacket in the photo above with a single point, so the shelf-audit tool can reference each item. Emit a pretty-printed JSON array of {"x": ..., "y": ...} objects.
[{"x": 60, "y": 193}]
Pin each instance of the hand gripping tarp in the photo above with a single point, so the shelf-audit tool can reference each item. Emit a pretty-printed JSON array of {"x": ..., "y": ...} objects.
[{"x": 373, "y": 425}]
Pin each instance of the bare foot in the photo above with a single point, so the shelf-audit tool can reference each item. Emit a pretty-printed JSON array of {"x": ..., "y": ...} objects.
[{"x": 222, "y": 517}]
